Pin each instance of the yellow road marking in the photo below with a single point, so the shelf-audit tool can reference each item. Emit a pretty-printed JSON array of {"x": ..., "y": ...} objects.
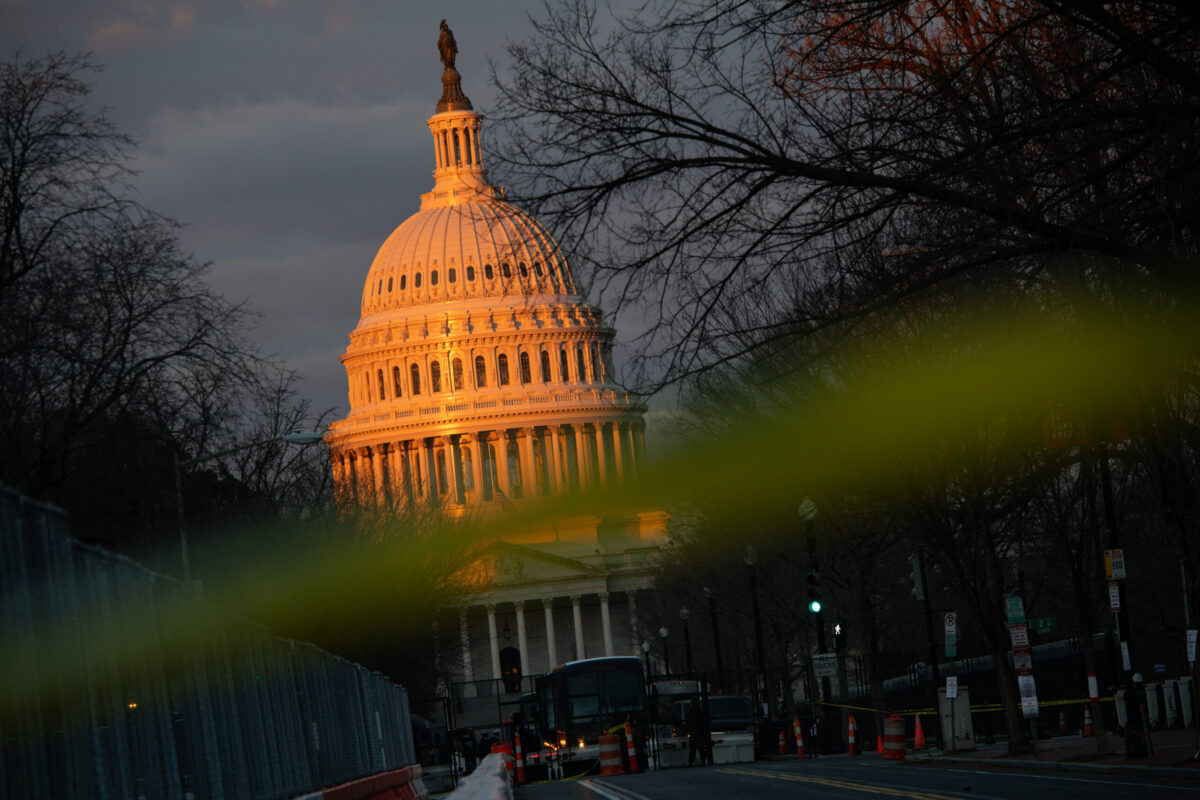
[{"x": 838, "y": 784}]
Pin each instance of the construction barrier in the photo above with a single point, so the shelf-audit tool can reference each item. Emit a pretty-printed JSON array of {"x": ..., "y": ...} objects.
[
  {"x": 520, "y": 759},
  {"x": 799, "y": 736},
  {"x": 630, "y": 749},
  {"x": 1088, "y": 728},
  {"x": 919, "y": 736},
  {"x": 782, "y": 743},
  {"x": 610, "y": 755},
  {"x": 893, "y": 738},
  {"x": 852, "y": 749}
]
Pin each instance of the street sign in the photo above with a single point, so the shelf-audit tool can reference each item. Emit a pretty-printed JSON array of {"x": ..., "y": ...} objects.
[
  {"x": 825, "y": 665},
  {"x": 1023, "y": 662},
  {"x": 1020, "y": 636},
  {"x": 1014, "y": 609},
  {"x": 1093, "y": 687},
  {"x": 1043, "y": 624},
  {"x": 1029, "y": 707},
  {"x": 951, "y": 620},
  {"x": 1026, "y": 685},
  {"x": 951, "y": 687},
  {"x": 1191, "y": 645},
  {"x": 951, "y": 645},
  {"x": 1114, "y": 564},
  {"x": 1114, "y": 595}
]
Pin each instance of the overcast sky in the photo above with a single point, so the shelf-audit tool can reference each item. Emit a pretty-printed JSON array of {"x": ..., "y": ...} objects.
[{"x": 288, "y": 136}]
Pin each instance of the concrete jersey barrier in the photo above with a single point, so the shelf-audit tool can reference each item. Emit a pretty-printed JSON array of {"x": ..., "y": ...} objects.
[{"x": 489, "y": 781}]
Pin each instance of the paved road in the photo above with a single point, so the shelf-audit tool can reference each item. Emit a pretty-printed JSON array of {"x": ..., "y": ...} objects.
[{"x": 843, "y": 779}]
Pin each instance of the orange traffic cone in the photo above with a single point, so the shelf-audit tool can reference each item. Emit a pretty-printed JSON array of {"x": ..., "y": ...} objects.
[
  {"x": 799, "y": 736},
  {"x": 1062, "y": 721},
  {"x": 520, "y": 760},
  {"x": 631, "y": 750},
  {"x": 1088, "y": 730},
  {"x": 879, "y": 744},
  {"x": 919, "y": 736},
  {"x": 852, "y": 749}
]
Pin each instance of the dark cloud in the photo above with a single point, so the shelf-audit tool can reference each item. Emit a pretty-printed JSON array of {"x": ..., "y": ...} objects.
[{"x": 288, "y": 136}]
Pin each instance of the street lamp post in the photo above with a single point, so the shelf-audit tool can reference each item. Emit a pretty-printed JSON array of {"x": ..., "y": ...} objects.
[
  {"x": 646, "y": 653},
  {"x": 687, "y": 638},
  {"x": 749, "y": 560},
  {"x": 299, "y": 437},
  {"x": 662, "y": 634},
  {"x": 712, "y": 614}
]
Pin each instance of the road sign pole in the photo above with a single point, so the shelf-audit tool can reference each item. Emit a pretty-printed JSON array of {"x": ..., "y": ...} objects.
[{"x": 933, "y": 657}]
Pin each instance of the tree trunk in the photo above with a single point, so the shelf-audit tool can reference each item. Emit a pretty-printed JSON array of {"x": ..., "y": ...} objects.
[{"x": 1010, "y": 698}]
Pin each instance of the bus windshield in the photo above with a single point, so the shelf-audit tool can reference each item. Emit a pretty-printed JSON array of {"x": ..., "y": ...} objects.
[{"x": 597, "y": 696}]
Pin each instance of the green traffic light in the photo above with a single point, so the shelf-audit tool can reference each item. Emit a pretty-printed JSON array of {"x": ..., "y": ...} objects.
[{"x": 814, "y": 606}]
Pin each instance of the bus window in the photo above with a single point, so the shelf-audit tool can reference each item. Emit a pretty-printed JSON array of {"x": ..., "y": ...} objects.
[{"x": 624, "y": 691}]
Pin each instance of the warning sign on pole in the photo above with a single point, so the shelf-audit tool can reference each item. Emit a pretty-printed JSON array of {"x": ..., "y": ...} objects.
[
  {"x": 951, "y": 620},
  {"x": 1191, "y": 645},
  {"x": 1029, "y": 707},
  {"x": 1020, "y": 636},
  {"x": 1114, "y": 595},
  {"x": 1093, "y": 688},
  {"x": 951, "y": 687}
]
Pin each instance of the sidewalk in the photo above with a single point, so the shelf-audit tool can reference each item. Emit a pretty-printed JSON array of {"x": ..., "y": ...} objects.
[{"x": 1173, "y": 756}]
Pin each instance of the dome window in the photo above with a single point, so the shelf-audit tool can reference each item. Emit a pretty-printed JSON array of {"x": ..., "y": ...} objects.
[
  {"x": 416, "y": 379},
  {"x": 480, "y": 373},
  {"x": 537, "y": 269},
  {"x": 433, "y": 277},
  {"x": 506, "y": 270},
  {"x": 451, "y": 275},
  {"x": 545, "y": 366},
  {"x": 595, "y": 366},
  {"x": 380, "y": 289},
  {"x": 581, "y": 371},
  {"x": 526, "y": 372},
  {"x": 403, "y": 280},
  {"x": 382, "y": 391},
  {"x": 502, "y": 370},
  {"x": 396, "y": 381},
  {"x": 389, "y": 285},
  {"x": 435, "y": 377},
  {"x": 470, "y": 273},
  {"x": 417, "y": 281},
  {"x": 456, "y": 372},
  {"x": 487, "y": 271},
  {"x": 522, "y": 270},
  {"x": 564, "y": 371},
  {"x": 367, "y": 385}
]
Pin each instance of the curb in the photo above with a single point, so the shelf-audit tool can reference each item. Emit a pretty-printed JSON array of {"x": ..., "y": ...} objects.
[{"x": 1184, "y": 773}]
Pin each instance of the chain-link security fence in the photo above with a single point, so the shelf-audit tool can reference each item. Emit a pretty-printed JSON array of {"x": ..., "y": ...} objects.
[{"x": 117, "y": 684}]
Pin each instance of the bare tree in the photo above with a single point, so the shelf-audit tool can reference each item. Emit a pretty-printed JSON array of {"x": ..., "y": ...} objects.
[{"x": 708, "y": 158}]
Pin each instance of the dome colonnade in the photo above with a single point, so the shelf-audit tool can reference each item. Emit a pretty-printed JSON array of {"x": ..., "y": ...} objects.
[{"x": 477, "y": 373}]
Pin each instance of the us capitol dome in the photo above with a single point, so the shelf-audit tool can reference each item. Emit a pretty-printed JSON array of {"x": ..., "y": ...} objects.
[{"x": 480, "y": 378}]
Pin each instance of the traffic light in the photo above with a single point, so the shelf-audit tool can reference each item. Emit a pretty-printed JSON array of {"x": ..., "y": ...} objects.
[
  {"x": 814, "y": 593},
  {"x": 839, "y": 637},
  {"x": 914, "y": 576}
]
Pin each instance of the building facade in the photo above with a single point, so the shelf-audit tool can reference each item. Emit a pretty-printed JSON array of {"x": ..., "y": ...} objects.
[{"x": 479, "y": 379}]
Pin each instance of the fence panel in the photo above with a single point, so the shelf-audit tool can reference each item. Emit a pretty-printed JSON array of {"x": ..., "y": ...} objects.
[{"x": 118, "y": 684}]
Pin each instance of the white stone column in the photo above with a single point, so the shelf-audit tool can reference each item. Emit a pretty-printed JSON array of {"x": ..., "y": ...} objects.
[
  {"x": 477, "y": 464},
  {"x": 581, "y": 458},
  {"x": 499, "y": 440},
  {"x": 601, "y": 458},
  {"x": 631, "y": 602},
  {"x": 617, "y": 459},
  {"x": 551, "y": 647},
  {"x": 529, "y": 487},
  {"x": 377, "y": 472},
  {"x": 338, "y": 464},
  {"x": 577, "y": 614},
  {"x": 494, "y": 640},
  {"x": 522, "y": 642},
  {"x": 606, "y": 624},
  {"x": 631, "y": 448},
  {"x": 430, "y": 451},
  {"x": 465, "y": 639},
  {"x": 554, "y": 460},
  {"x": 457, "y": 479}
]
